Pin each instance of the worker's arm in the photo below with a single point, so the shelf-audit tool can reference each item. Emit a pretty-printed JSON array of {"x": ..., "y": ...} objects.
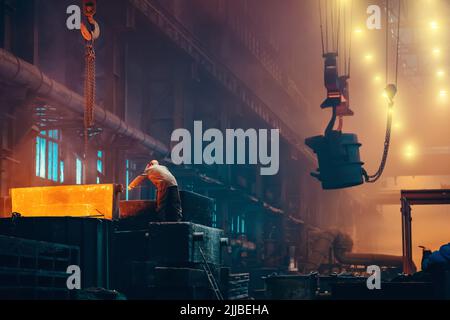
[{"x": 137, "y": 181}]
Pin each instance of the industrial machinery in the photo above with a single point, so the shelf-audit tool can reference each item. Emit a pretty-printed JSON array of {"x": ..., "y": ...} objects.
[
  {"x": 416, "y": 197},
  {"x": 338, "y": 156},
  {"x": 119, "y": 244},
  {"x": 331, "y": 250},
  {"x": 344, "y": 276}
]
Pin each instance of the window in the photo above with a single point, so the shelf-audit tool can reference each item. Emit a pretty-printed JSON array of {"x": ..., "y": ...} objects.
[
  {"x": 48, "y": 163},
  {"x": 79, "y": 171},
  {"x": 214, "y": 216},
  {"x": 130, "y": 172},
  {"x": 61, "y": 172},
  {"x": 238, "y": 224},
  {"x": 127, "y": 178},
  {"x": 100, "y": 166}
]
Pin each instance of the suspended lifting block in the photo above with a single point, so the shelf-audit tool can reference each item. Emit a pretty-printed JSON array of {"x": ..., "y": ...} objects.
[{"x": 339, "y": 161}]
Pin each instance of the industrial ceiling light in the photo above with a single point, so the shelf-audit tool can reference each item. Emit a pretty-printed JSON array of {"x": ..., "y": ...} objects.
[
  {"x": 397, "y": 126},
  {"x": 390, "y": 91},
  {"x": 434, "y": 25},
  {"x": 440, "y": 73},
  {"x": 436, "y": 52},
  {"x": 410, "y": 152},
  {"x": 368, "y": 57},
  {"x": 358, "y": 31}
]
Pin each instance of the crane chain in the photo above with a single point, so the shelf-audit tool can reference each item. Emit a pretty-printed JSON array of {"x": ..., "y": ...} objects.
[
  {"x": 387, "y": 141},
  {"x": 89, "y": 93}
]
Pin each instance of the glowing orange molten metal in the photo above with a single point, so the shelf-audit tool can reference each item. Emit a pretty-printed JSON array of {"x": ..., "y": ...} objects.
[{"x": 65, "y": 201}]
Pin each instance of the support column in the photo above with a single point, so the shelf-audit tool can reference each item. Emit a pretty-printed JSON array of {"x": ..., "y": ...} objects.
[{"x": 406, "y": 237}]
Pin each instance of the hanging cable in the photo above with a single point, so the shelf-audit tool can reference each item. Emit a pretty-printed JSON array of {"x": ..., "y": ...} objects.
[
  {"x": 344, "y": 9},
  {"x": 331, "y": 15},
  {"x": 89, "y": 93},
  {"x": 332, "y": 39},
  {"x": 391, "y": 90},
  {"x": 387, "y": 43},
  {"x": 326, "y": 24},
  {"x": 397, "y": 54},
  {"x": 373, "y": 178},
  {"x": 321, "y": 27},
  {"x": 350, "y": 40},
  {"x": 333, "y": 31},
  {"x": 338, "y": 31},
  {"x": 345, "y": 42},
  {"x": 90, "y": 32}
]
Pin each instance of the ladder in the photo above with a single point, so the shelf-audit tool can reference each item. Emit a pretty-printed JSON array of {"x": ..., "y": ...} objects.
[{"x": 212, "y": 281}]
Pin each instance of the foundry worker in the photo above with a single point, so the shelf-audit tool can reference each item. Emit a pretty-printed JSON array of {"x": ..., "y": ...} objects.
[{"x": 168, "y": 203}]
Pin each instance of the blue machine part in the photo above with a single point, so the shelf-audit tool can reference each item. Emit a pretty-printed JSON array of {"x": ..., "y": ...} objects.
[{"x": 440, "y": 257}]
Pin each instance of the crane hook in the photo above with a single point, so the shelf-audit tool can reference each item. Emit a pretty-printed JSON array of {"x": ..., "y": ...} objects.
[
  {"x": 90, "y": 35},
  {"x": 91, "y": 30}
]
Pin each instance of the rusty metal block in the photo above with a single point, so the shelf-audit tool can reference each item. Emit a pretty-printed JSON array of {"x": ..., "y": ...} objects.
[{"x": 137, "y": 208}]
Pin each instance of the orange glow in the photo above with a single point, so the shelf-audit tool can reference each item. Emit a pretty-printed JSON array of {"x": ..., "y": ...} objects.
[
  {"x": 65, "y": 201},
  {"x": 358, "y": 31},
  {"x": 436, "y": 52},
  {"x": 377, "y": 78},
  {"x": 410, "y": 152},
  {"x": 369, "y": 58},
  {"x": 398, "y": 126},
  {"x": 434, "y": 25}
]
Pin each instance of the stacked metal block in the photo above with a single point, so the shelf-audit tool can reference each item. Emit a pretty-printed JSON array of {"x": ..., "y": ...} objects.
[
  {"x": 164, "y": 261},
  {"x": 34, "y": 269},
  {"x": 197, "y": 208},
  {"x": 92, "y": 237}
]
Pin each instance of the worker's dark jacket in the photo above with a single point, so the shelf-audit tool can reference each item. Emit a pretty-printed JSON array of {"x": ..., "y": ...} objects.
[
  {"x": 168, "y": 201},
  {"x": 169, "y": 207}
]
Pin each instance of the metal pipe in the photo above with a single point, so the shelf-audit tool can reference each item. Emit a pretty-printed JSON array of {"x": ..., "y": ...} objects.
[
  {"x": 342, "y": 245},
  {"x": 365, "y": 259},
  {"x": 19, "y": 72}
]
